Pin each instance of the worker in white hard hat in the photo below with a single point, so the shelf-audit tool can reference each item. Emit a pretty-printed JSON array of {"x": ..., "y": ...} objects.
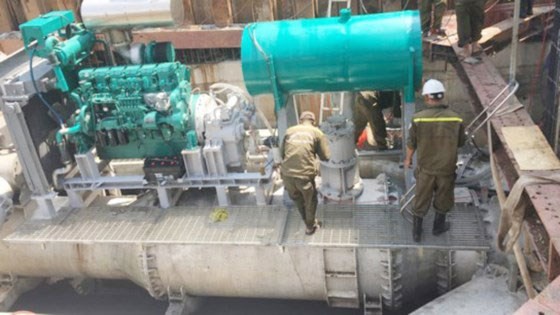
[{"x": 435, "y": 135}]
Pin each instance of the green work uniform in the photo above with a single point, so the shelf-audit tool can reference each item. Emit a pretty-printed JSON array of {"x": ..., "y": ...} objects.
[
  {"x": 302, "y": 143},
  {"x": 369, "y": 107},
  {"x": 435, "y": 134},
  {"x": 432, "y": 20},
  {"x": 470, "y": 20}
]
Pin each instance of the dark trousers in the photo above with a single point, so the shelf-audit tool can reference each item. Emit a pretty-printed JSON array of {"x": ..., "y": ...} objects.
[
  {"x": 304, "y": 194},
  {"x": 526, "y": 8},
  {"x": 364, "y": 113},
  {"x": 470, "y": 20},
  {"x": 437, "y": 187}
]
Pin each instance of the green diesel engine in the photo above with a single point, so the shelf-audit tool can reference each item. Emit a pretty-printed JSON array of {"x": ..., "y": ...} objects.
[
  {"x": 134, "y": 111},
  {"x": 139, "y": 104}
]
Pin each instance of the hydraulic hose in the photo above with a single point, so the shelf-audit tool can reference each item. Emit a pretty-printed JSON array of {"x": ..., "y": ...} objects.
[{"x": 40, "y": 94}]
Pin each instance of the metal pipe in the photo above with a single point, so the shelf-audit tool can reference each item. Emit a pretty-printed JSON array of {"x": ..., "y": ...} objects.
[
  {"x": 469, "y": 126},
  {"x": 60, "y": 172},
  {"x": 408, "y": 201},
  {"x": 498, "y": 107},
  {"x": 514, "y": 40},
  {"x": 110, "y": 58}
]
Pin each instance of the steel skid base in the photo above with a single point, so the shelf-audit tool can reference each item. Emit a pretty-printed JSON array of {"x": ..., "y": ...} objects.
[{"x": 167, "y": 188}]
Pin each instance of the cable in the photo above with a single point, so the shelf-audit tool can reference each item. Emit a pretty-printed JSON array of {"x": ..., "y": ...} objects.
[{"x": 40, "y": 94}]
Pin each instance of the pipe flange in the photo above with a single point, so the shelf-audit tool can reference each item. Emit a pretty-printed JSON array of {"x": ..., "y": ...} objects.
[{"x": 334, "y": 194}]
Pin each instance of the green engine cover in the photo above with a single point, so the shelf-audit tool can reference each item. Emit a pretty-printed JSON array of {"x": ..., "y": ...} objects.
[{"x": 134, "y": 111}]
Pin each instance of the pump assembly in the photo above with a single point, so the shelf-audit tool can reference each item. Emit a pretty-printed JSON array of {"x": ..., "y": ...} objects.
[
  {"x": 133, "y": 172},
  {"x": 140, "y": 105}
]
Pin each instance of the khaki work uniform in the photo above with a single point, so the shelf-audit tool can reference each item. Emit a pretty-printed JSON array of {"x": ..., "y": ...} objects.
[
  {"x": 470, "y": 20},
  {"x": 301, "y": 144},
  {"x": 429, "y": 19},
  {"x": 369, "y": 107},
  {"x": 435, "y": 134}
]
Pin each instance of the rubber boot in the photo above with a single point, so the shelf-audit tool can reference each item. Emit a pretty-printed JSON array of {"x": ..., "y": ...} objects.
[
  {"x": 440, "y": 226},
  {"x": 416, "y": 228}
]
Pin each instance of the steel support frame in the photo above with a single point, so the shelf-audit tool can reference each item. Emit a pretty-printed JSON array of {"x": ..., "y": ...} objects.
[
  {"x": 483, "y": 93},
  {"x": 31, "y": 165},
  {"x": 16, "y": 91},
  {"x": 91, "y": 180}
]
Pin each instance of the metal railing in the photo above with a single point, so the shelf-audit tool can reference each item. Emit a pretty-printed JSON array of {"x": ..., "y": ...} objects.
[{"x": 470, "y": 130}]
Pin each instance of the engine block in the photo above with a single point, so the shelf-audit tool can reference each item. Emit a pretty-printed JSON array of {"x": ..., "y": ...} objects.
[{"x": 135, "y": 111}]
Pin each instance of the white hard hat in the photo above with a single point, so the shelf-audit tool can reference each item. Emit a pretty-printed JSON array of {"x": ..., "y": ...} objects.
[{"x": 433, "y": 87}]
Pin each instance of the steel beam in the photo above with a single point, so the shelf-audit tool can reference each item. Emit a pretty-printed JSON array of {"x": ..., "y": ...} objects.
[{"x": 484, "y": 82}]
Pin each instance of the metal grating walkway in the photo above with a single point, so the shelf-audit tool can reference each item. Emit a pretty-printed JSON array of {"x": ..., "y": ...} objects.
[
  {"x": 384, "y": 227},
  {"x": 348, "y": 226}
]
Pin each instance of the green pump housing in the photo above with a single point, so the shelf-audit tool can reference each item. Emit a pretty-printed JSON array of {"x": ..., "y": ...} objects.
[
  {"x": 65, "y": 55},
  {"x": 346, "y": 53},
  {"x": 134, "y": 111}
]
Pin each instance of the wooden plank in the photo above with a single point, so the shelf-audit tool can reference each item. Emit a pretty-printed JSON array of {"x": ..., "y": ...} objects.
[
  {"x": 372, "y": 6},
  {"x": 298, "y": 9},
  {"x": 66, "y": 5},
  {"x": 202, "y": 10},
  {"x": 34, "y": 8},
  {"x": 17, "y": 13},
  {"x": 192, "y": 38},
  {"x": 189, "y": 13},
  {"x": 243, "y": 11},
  {"x": 285, "y": 9},
  {"x": 392, "y": 5},
  {"x": 530, "y": 148},
  {"x": 10, "y": 45},
  {"x": 321, "y": 7},
  {"x": 221, "y": 12},
  {"x": 6, "y": 21},
  {"x": 497, "y": 33},
  {"x": 263, "y": 10}
]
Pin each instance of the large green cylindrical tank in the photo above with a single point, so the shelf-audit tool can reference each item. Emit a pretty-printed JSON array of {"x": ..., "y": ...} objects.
[{"x": 346, "y": 53}]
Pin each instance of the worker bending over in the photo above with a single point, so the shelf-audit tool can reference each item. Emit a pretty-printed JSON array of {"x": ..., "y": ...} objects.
[
  {"x": 435, "y": 134},
  {"x": 302, "y": 143},
  {"x": 369, "y": 107}
]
